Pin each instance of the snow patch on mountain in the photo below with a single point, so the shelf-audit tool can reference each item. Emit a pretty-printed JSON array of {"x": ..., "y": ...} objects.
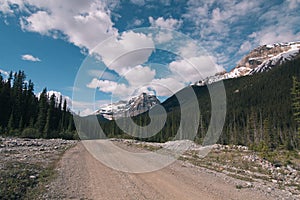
[
  {"x": 261, "y": 59},
  {"x": 133, "y": 107},
  {"x": 277, "y": 59}
]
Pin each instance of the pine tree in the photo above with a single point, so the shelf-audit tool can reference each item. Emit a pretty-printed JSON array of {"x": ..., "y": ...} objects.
[
  {"x": 17, "y": 95},
  {"x": 64, "y": 117},
  {"x": 266, "y": 133},
  {"x": 295, "y": 92},
  {"x": 253, "y": 121},
  {"x": 6, "y": 105},
  {"x": 21, "y": 123},
  {"x": 42, "y": 111},
  {"x": 11, "y": 125},
  {"x": 49, "y": 126},
  {"x": 1, "y": 100}
]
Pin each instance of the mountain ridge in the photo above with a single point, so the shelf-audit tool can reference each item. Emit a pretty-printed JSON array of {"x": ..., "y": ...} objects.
[
  {"x": 135, "y": 106},
  {"x": 260, "y": 59}
]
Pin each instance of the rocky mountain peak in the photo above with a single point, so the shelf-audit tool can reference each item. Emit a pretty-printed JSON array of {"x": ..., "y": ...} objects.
[
  {"x": 260, "y": 59},
  {"x": 268, "y": 56},
  {"x": 133, "y": 107}
]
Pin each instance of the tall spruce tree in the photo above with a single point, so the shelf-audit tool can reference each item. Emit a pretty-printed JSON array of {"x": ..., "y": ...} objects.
[
  {"x": 49, "y": 126},
  {"x": 42, "y": 111},
  {"x": 295, "y": 92}
]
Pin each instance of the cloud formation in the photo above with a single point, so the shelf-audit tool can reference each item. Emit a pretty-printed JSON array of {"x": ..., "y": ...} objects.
[
  {"x": 195, "y": 68},
  {"x": 168, "y": 23},
  {"x": 31, "y": 58},
  {"x": 3, "y": 72},
  {"x": 231, "y": 28},
  {"x": 139, "y": 75},
  {"x": 83, "y": 23},
  {"x": 227, "y": 29},
  {"x": 120, "y": 90},
  {"x": 126, "y": 51},
  {"x": 138, "y": 2}
]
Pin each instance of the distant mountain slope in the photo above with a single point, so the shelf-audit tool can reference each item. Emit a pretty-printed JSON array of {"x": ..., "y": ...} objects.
[
  {"x": 261, "y": 59},
  {"x": 259, "y": 108},
  {"x": 133, "y": 107},
  {"x": 259, "y": 111}
]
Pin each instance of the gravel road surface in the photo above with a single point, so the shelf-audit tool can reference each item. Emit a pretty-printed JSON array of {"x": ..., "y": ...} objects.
[{"x": 81, "y": 176}]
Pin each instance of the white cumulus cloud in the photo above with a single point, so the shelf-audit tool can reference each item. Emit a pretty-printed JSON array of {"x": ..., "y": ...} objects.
[
  {"x": 84, "y": 23},
  {"x": 194, "y": 68},
  {"x": 127, "y": 51},
  {"x": 167, "y": 86},
  {"x": 169, "y": 23},
  {"x": 163, "y": 37},
  {"x": 139, "y": 75},
  {"x": 293, "y": 4},
  {"x": 116, "y": 89},
  {"x": 31, "y": 58},
  {"x": 222, "y": 27}
]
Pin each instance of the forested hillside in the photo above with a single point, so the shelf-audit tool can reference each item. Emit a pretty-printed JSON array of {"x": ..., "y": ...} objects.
[
  {"x": 23, "y": 114},
  {"x": 261, "y": 111}
]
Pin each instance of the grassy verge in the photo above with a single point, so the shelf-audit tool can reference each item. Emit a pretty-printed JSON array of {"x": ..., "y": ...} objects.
[
  {"x": 17, "y": 178},
  {"x": 23, "y": 180}
]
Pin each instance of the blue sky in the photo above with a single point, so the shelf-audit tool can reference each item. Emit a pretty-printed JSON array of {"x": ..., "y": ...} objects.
[{"x": 54, "y": 40}]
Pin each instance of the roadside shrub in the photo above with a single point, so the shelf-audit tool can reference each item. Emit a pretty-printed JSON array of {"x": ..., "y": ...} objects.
[
  {"x": 67, "y": 135},
  {"x": 30, "y": 133}
]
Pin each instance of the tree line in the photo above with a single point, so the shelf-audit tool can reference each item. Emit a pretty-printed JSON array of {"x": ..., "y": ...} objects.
[{"x": 23, "y": 114}]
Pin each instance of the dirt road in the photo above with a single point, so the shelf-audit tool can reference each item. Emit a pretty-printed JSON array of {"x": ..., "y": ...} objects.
[{"x": 81, "y": 176}]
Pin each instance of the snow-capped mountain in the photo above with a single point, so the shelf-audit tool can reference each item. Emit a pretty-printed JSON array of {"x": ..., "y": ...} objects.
[
  {"x": 133, "y": 107},
  {"x": 261, "y": 59}
]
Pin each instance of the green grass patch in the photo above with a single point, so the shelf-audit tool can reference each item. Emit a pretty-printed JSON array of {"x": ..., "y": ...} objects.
[
  {"x": 16, "y": 179},
  {"x": 23, "y": 180}
]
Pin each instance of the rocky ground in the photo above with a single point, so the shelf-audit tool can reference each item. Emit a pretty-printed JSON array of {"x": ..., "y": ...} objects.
[
  {"x": 27, "y": 164},
  {"x": 279, "y": 178},
  {"x": 27, "y": 171}
]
